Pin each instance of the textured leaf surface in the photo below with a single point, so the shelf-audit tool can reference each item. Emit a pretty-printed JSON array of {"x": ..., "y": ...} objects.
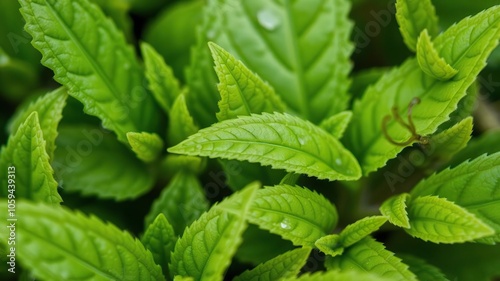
[
  {"x": 472, "y": 185},
  {"x": 450, "y": 141},
  {"x": 370, "y": 255},
  {"x": 162, "y": 82},
  {"x": 25, "y": 156},
  {"x": 49, "y": 108},
  {"x": 296, "y": 214},
  {"x": 466, "y": 46},
  {"x": 423, "y": 270},
  {"x": 486, "y": 143},
  {"x": 441, "y": 221},
  {"x": 181, "y": 124},
  {"x": 413, "y": 17},
  {"x": 207, "y": 246},
  {"x": 335, "y": 275},
  {"x": 360, "y": 229},
  {"x": 160, "y": 239},
  {"x": 330, "y": 245},
  {"x": 282, "y": 266},
  {"x": 242, "y": 91},
  {"x": 394, "y": 209},
  {"x": 88, "y": 54},
  {"x": 337, "y": 124},
  {"x": 147, "y": 146},
  {"x": 182, "y": 202},
  {"x": 92, "y": 162},
  {"x": 429, "y": 60},
  {"x": 312, "y": 79},
  {"x": 279, "y": 140},
  {"x": 73, "y": 246}
]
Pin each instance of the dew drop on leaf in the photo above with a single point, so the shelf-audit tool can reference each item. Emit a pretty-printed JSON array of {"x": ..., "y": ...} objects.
[
  {"x": 285, "y": 224},
  {"x": 268, "y": 19},
  {"x": 338, "y": 161}
]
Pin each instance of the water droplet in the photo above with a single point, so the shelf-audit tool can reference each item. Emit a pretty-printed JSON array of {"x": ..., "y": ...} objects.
[
  {"x": 268, "y": 19},
  {"x": 338, "y": 161},
  {"x": 285, "y": 224}
]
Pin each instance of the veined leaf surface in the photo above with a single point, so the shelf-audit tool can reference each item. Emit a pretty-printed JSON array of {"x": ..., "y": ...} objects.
[
  {"x": 413, "y": 17},
  {"x": 279, "y": 140},
  {"x": 337, "y": 124},
  {"x": 181, "y": 124},
  {"x": 337, "y": 275},
  {"x": 441, "y": 221},
  {"x": 394, "y": 209},
  {"x": 312, "y": 79},
  {"x": 296, "y": 214},
  {"x": 466, "y": 46},
  {"x": 472, "y": 185},
  {"x": 330, "y": 245},
  {"x": 147, "y": 146},
  {"x": 89, "y": 55},
  {"x": 73, "y": 246},
  {"x": 429, "y": 60},
  {"x": 160, "y": 239},
  {"x": 360, "y": 229},
  {"x": 26, "y": 165}
]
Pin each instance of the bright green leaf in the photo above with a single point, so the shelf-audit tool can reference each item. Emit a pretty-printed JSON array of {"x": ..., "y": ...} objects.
[
  {"x": 413, "y": 17},
  {"x": 88, "y": 54},
  {"x": 423, "y": 270},
  {"x": 26, "y": 167},
  {"x": 181, "y": 124},
  {"x": 370, "y": 255},
  {"x": 282, "y": 266},
  {"x": 472, "y": 185},
  {"x": 360, "y": 229},
  {"x": 176, "y": 163},
  {"x": 147, "y": 146},
  {"x": 160, "y": 239},
  {"x": 336, "y": 275},
  {"x": 91, "y": 161},
  {"x": 207, "y": 246},
  {"x": 279, "y": 140},
  {"x": 430, "y": 61},
  {"x": 394, "y": 209},
  {"x": 466, "y": 46},
  {"x": 441, "y": 221},
  {"x": 296, "y": 214},
  {"x": 182, "y": 202},
  {"x": 450, "y": 141},
  {"x": 49, "y": 108},
  {"x": 486, "y": 143},
  {"x": 73, "y": 246},
  {"x": 330, "y": 245},
  {"x": 161, "y": 79},
  {"x": 337, "y": 124},
  {"x": 270, "y": 39},
  {"x": 242, "y": 91}
]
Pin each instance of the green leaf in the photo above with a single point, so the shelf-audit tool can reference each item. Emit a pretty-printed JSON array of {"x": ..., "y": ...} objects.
[
  {"x": 312, "y": 79},
  {"x": 279, "y": 140},
  {"x": 73, "y": 246},
  {"x": 161, "y": 79},
  {"x": 175, "y": 163},
  {"x": 486, "y": 143},
  {"x": 371, "y": 256},
  {"x": 91, "y": 161},
  {"x": 335, "y": 275},
  {"x": 239, "y": 174},
  {"x": 242, "y": 91},
  {"x": 360, "y": 229},
  {"x": 282, "y": 266},
  {"x": 207, "y": 246},
  {"x": 181, "y": 124},
  {"x": 88, "y": 54},
  {"x": 49, "y": 108},
  {"x": 430, "y": 61},
  {"x": 118, "y": 11},
  {"x": 472, "y": 185},
  {"x": 330, "y": 245},
  {"x": 182, "y": 202},
  {"x": 413, "y": 17},
  {"x": 337, "y": 124},
  {"x": 450, "y": 141},
  {"x": 25, "y": 162},
  {"x": 296, "y": 214},
  {"x": 441, "y": 221},
  {"x": 394, "y": 209},
  {"x": 423, "y": 270},
  {"x": 466, "y": 46},
  {"x": 160, "y": 239},
  {"x": 147, "y": 146}
]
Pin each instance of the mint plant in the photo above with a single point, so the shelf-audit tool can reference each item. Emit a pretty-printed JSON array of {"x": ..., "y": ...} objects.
[{"x": 250, "y": 140}]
